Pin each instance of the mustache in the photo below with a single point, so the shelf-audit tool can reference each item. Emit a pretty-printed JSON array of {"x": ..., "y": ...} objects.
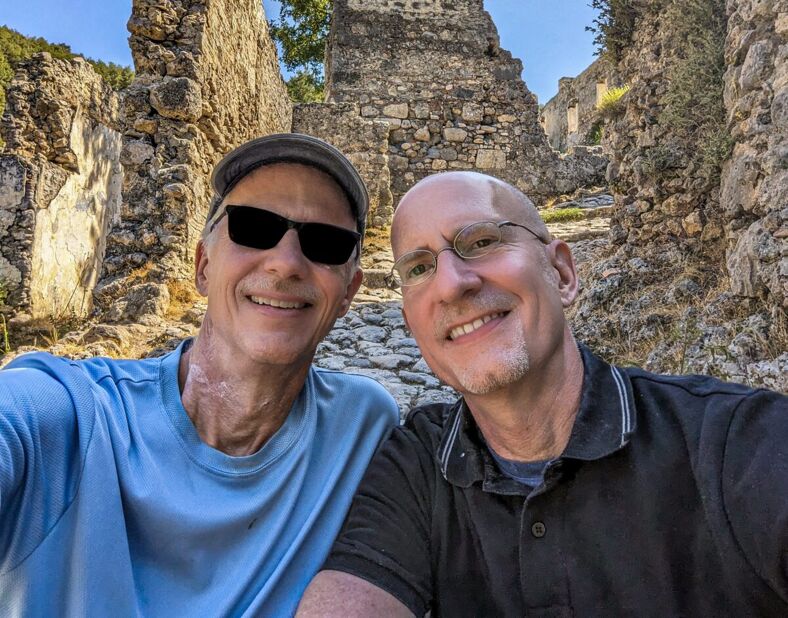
[
  {"x": 486, "y": 301},
  {"x": 256, "y": 284}
]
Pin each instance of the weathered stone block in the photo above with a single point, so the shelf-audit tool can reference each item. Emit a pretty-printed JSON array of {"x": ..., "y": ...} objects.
[
  {"x": 179, "y": 98},
  {"x": 422, "y": 135},
  {"x": 454, "y": 135},
  {"x": 396, "y": 110},
  {"x": 490, "y": 159}
]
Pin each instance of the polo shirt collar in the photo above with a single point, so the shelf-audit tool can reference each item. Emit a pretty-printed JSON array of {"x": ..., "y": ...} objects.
[{"x": 604, "y": 424}]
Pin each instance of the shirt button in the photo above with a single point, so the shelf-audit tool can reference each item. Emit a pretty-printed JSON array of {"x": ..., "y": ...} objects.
[{"x": 538, "y": 529}]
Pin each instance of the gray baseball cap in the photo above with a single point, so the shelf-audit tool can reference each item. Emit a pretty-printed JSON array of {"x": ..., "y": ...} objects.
[{"x": 291, "y": 148}]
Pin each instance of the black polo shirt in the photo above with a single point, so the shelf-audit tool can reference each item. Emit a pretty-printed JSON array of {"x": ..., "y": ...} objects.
[{"x": 671, "y": 499}]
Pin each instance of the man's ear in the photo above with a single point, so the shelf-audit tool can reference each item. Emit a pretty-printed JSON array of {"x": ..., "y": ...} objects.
[
  {"x": 200, "y": 267},
  {"x": 350, "y": 291},
  {"x": 560, "y": 257}
]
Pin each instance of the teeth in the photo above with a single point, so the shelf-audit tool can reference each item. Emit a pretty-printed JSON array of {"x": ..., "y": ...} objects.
[
  {"x": 272, "y": 302},
  {"x": 464, "y": 329}
]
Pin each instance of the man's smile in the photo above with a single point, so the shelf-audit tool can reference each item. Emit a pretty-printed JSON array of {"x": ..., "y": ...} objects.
[
  {"x": 473, "y": 325},
  {"x": 279, "y": 304}
]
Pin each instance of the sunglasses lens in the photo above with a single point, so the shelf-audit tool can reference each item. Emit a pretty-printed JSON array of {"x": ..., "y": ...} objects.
[
  {"x": 326, "y": 244},
  {"x": 254, "y": 227},
  {"x": 260, "y": 229}
]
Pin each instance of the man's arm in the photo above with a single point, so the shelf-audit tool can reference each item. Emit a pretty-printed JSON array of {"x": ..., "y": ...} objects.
[
  {"x": 755, "y": 485},
  {"x": 380, "y": 562},
  {"x": 41, "y": 443},
  {"x": 333, "y": 594}
]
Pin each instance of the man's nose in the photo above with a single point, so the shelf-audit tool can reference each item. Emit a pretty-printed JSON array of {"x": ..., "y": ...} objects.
[
  {"x": 285, "y": 258},
  {"x": 454, "y": 277}
]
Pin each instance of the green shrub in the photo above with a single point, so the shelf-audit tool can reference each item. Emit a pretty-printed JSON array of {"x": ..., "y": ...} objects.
[
  {"x": 611, "y": 102},
  {"x": 614, "y": 26},
  {"x": 562, "y": 215},
  {"x": 304, "y": 87},
  {"x": 693, "y": 107},
  {"x": 595, "y": 134}
]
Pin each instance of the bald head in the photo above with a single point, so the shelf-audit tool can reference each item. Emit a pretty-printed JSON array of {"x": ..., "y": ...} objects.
[{"x": 458, "y": 196}]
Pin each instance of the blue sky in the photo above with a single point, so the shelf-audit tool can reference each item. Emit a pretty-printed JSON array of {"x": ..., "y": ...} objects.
[{"x": 547, "y": 35}]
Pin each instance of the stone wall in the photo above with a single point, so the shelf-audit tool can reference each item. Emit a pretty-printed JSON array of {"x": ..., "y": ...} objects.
[
  {"x": 754, "y": 194},
  {"x": 661, "y": 198},
  {"x": 435, "y": 72},
  {"x": 695, "y": 280},
  {"x": 364, "y": 142},
  {"x": 60, "y": 183},
  {"x": 207, "y": 79},
  {"x": 577, "y": 97}
]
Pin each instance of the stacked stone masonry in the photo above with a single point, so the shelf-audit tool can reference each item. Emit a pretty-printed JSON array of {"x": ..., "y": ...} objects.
[
  {"x": 365, "y": 142},
  {"x": 434, "y": 71},
  {"x": 754, "y": 195},
  {"x": 60, "y": 180},
  {"x": 207, "y": 79},
  {"x": 570, "y": 118}
]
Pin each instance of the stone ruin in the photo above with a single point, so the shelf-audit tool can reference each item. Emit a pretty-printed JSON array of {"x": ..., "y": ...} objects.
[
  {"x": 60, "y": 185},
  {"x": 413, "y": 87},
  {"x": 571, "y": 117},
  {"x": 434, "y": 72},
  {"x": 698, "y": 267},
  {"x": 96, "y": 187}
]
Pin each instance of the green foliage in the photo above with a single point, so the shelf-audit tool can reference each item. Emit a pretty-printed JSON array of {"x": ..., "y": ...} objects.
[
  {"x": 614, "y": 26},
  {"x": 304, "y": 87},
  {"x": 611, "y": 102},
  {"x": 16, "y": 47},
  {"x": 4, "y": 328},
  {"x": 594, "y": 137},
  {"x": 118, "y": 77},
  {"x": 694, "y": 110},
  {"x": 301, "y": 30},
  {"x": 560, "y": 215}
]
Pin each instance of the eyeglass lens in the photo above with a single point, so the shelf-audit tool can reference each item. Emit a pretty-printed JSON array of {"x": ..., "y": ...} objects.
[
  {"x": 471, "y": 242},
  {"x": 262, "y": 229}
]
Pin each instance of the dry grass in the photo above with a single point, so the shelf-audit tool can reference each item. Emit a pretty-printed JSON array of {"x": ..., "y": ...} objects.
[{"x": 183, "y": 297}]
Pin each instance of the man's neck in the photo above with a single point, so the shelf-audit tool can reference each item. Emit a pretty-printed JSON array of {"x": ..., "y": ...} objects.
[
  {"x": 236, "y": 409},
  {"x": 532, "y": 419}
]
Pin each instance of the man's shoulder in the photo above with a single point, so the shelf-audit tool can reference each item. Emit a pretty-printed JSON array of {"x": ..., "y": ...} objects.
[
  {"x": 364, "y": 392},
  {"x": 90, "y": 370},
  {"x": 425, "y": 424},
  {"x": 699, "y": 389}
]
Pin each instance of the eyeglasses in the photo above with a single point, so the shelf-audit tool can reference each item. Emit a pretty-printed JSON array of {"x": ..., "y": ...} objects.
[
  {"x": 262, "y": 229},
  {"x": 471, "y": 242}
]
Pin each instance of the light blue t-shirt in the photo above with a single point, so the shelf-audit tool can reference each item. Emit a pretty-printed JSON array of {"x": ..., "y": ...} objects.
[{"x": 111, "y": 505}]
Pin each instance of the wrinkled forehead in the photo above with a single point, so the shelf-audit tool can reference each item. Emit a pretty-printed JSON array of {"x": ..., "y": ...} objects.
[{"x": 433, "y": 211}]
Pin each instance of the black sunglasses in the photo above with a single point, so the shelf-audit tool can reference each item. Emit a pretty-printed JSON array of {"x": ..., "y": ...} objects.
[{"x": 262, "y": 229}]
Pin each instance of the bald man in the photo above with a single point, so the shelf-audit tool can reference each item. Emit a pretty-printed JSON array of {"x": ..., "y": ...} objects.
[{"x": 558, "y": 485}]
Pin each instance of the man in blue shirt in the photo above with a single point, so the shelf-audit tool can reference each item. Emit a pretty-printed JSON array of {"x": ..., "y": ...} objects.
[{"x": 212, "y": 480}]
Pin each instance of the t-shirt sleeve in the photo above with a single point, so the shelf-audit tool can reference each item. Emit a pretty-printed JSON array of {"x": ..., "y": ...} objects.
[
  {"x": 386, "y": 537},
  {"x": 755, "y": 485},
  {"x": 40, "y": 453}
]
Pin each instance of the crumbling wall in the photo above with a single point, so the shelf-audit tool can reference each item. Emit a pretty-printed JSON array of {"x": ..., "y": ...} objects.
[
  {"x": 696, "y": 278},
  {"x": 59, "y": 185},
  {"x": 364, "y": 142},
  {"x": 754, "y": 194},
  {"x": 578, "y": 97},
  {"x": 435, "y": 72},
  {"x": 207, "y": 79}
]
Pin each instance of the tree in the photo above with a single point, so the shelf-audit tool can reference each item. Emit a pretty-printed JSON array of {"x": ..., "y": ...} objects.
[{"x": 301, "y": 31}]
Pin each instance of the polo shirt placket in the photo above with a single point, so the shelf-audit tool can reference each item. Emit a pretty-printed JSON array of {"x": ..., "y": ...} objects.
[{"x": 598, "y": 431}]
